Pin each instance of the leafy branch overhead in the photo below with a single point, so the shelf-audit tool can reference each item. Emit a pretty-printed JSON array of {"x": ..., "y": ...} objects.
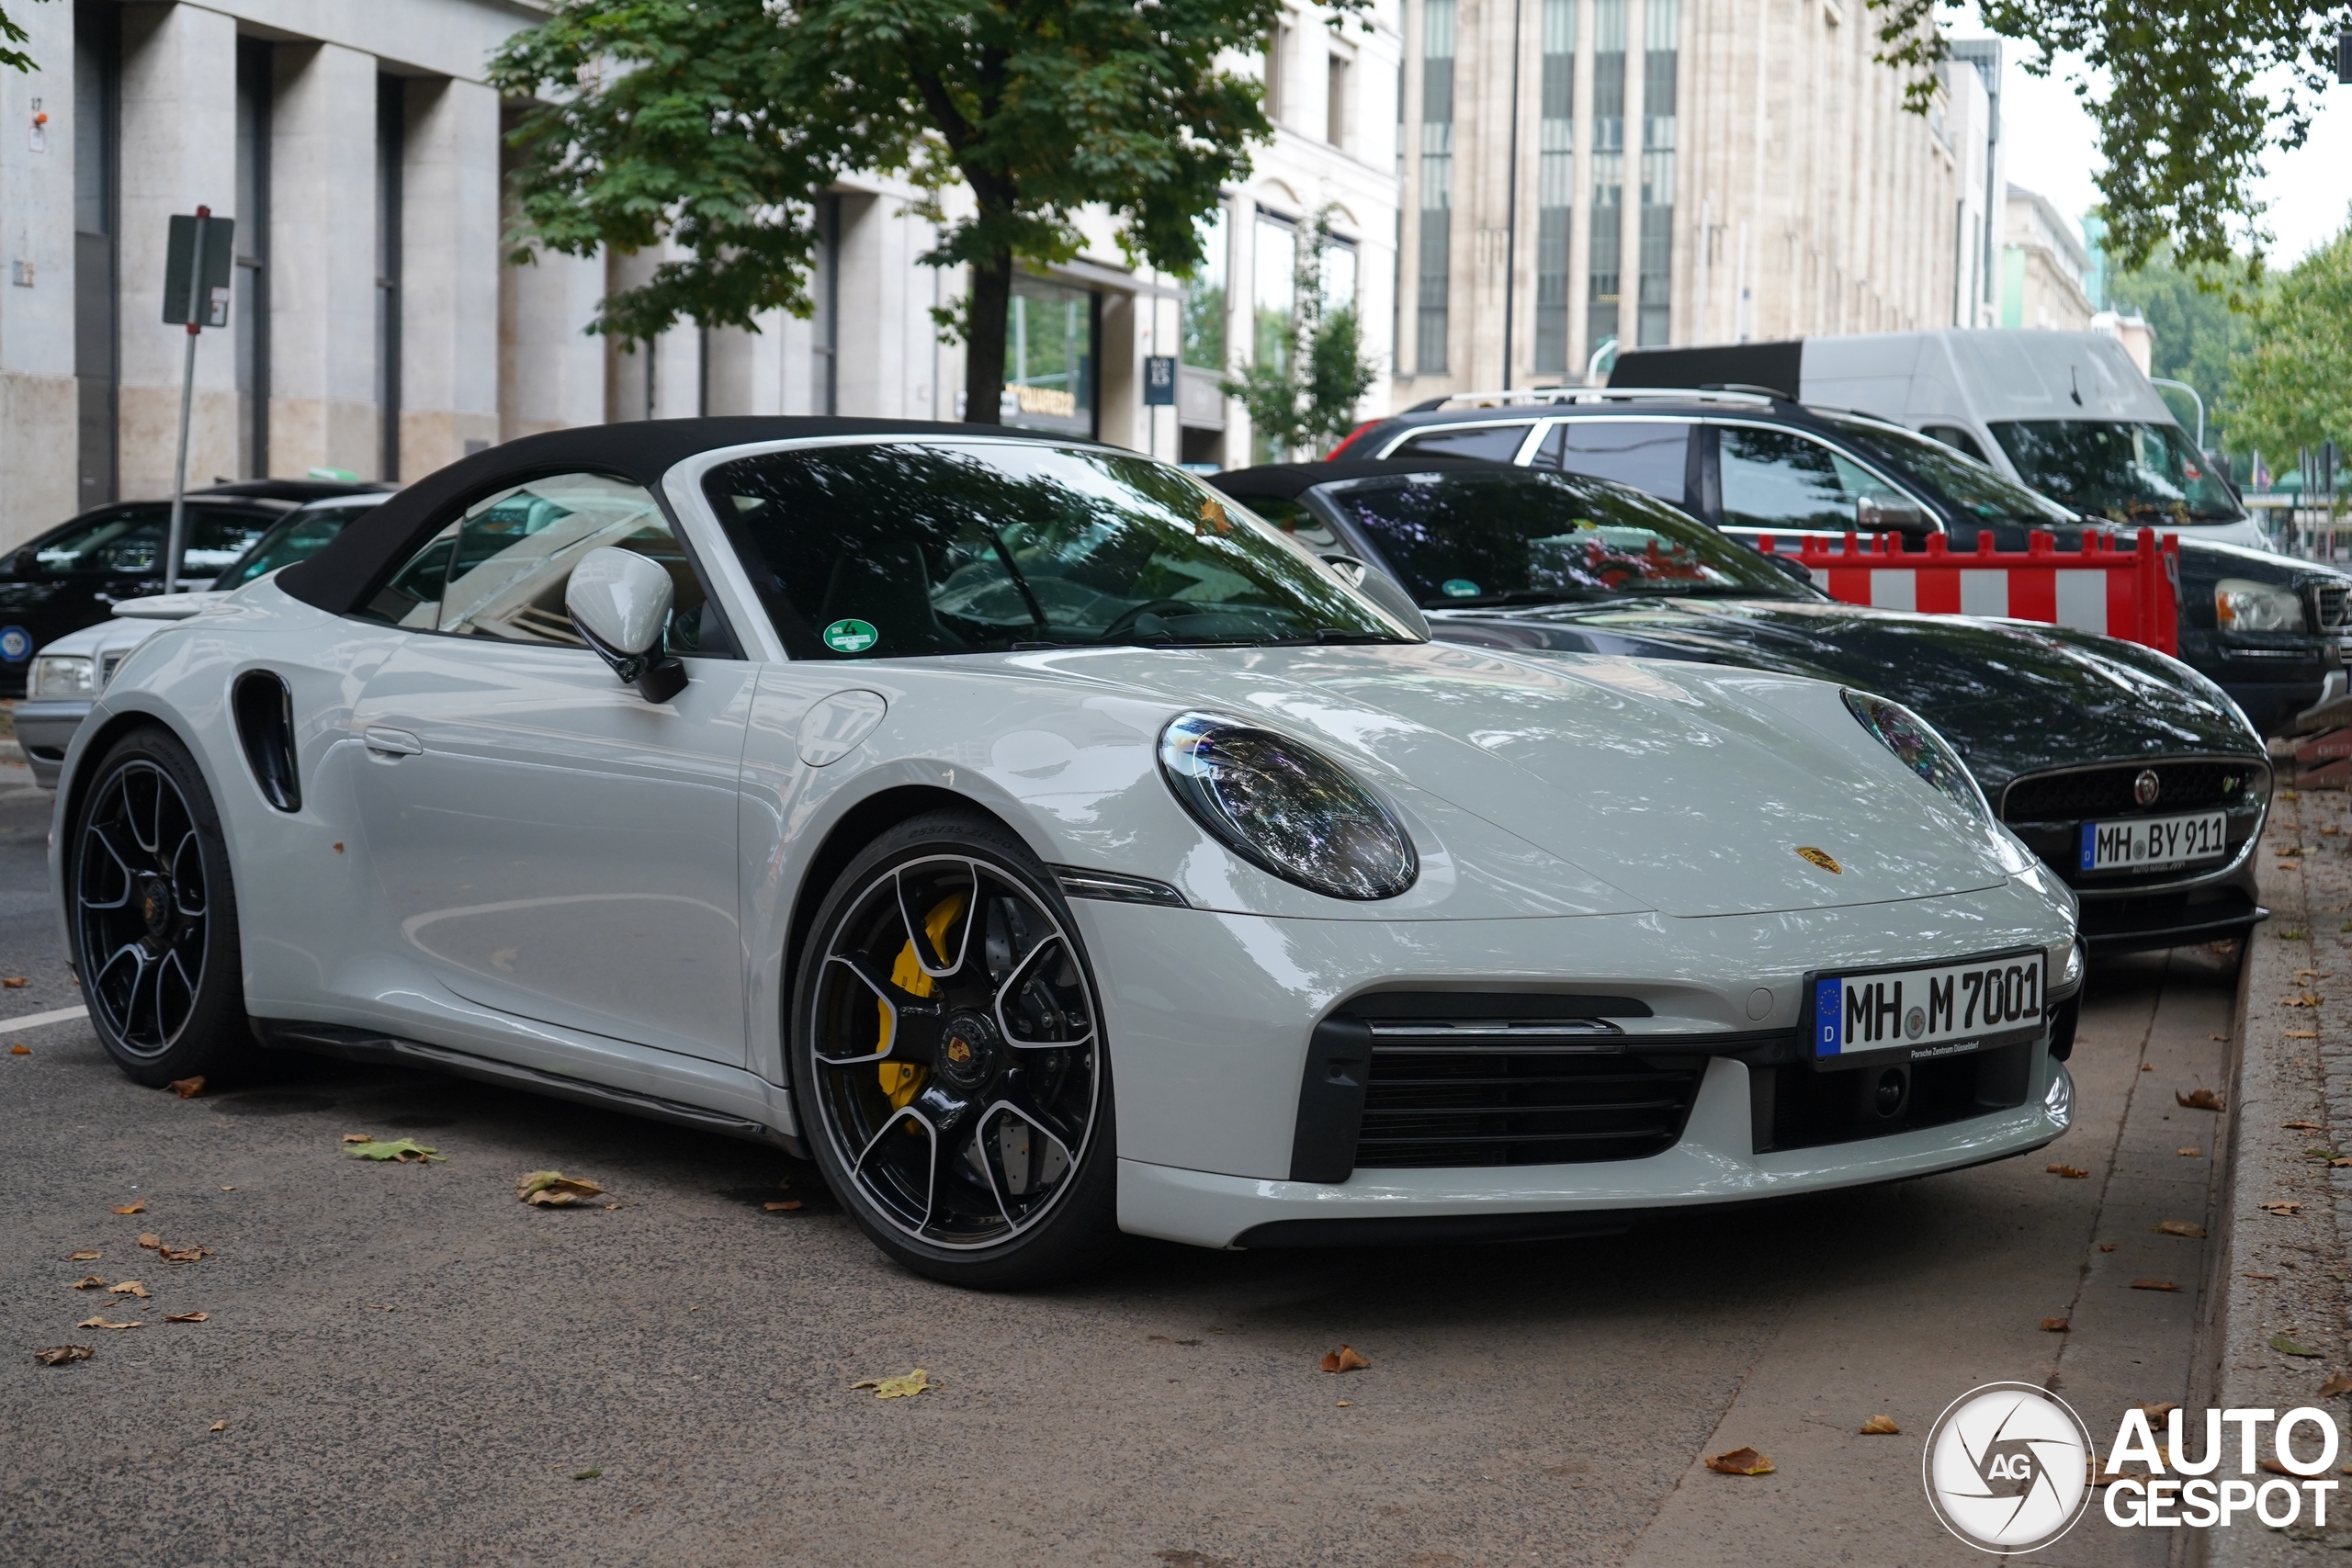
[
  {"x": 2198, "y": 95},
  {"x": 714, "y": 126},
  {"x": 11, "y": 35}
]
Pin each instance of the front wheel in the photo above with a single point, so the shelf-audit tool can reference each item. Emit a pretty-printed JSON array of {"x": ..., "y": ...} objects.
[
  {"x": 948, "y": 1062},
  {"x": 152, "y": 915}
]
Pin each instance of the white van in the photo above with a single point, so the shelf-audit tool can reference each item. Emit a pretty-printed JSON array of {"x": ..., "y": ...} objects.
[{"x": 2065, "y": 413}]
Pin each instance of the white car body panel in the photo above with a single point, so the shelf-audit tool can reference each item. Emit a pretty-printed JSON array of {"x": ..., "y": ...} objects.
[{"x": 619, "y": 909}]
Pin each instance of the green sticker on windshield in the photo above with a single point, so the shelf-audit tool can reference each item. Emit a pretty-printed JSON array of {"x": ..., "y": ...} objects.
[
  {"x": 850, "y": 637},
  {"x": 1460, "y": 588}
]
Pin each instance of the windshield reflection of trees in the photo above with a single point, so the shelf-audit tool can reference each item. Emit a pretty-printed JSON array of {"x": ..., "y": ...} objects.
[
  {"x": 2145, "y": 474},
  {"x": 946, "y": 549}
]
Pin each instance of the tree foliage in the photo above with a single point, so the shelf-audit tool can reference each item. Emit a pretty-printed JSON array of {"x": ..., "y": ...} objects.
[
  {"x": 11, "y": 35},
  {"x": 714, "y": 124},
  {"x": 2294, "y": 388},
  {"x": 2199, "y": 335},
  {"x": 2187, "y": 117},
  {"x": 1302, "y": 390}
]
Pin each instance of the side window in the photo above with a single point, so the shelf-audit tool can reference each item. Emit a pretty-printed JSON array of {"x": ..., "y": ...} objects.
[
  {"x": 129, "y": 543},
  {"x": 217, "y": 535},
  {"x": 1293, "y": 517},
  {"x": 1495, "y": 443},
  {"x": 1648, "y": 455},
  {"x": 1958, "y": 439},
  {"x": 1778, "y": 479},
  {"x": 500, "y": 571}
]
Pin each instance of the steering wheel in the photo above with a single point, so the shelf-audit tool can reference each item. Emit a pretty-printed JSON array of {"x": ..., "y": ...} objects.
[{"x": 1127, "y": 620}]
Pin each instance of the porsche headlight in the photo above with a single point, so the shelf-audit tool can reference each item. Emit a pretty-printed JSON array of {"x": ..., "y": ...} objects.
[
  {"x": 62, "y": 675},
  {"x": 2240, "y": 605},
  {"x": 1922, "y": 750},
  {"x": 1286, "y": 809}
]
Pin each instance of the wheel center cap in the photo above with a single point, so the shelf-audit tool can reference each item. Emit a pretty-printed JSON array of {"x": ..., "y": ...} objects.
[
  {"x": 152, "y": 898},
  {"x": 968, "y": 1049}
]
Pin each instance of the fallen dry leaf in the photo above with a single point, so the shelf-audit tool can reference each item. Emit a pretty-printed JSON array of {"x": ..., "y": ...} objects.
[
  {"x": 57, "y": 1354},
  {"x": 150, "y": 1239},
  {"x": 136, "y": 1208},
  {"x": 2252, "y": 1275},
  {"x": 102, "y": 1323},
  {"x": 2154, "y": 1285},
  {"x": 359, "y": 1137},
  {"x": 2189, "y": 1153},
  {"x": 20, "y": 1050},
  {"x": 2179, "y": 1227},
  {"x": 2071, "y": 1172},
  {"x": 228, "y": 1190},
  {"x": 400, "y": 1150},
  {"x": 2302, "y": 1126},
  {"x": 14, "y": 981},
  {"x": 2158, "y": 1411},
  {"x": 189, "y": 1317},
  {"x": 1881, "y": 1426},
  {"x": 2203, "y": 1099},
  {"x": 1344, "y": 1360},
  {"x": 84, "y": 1257},
  {"x": 88, "y": 1282},
  {"x": 2055, "y": 1325},
  {"x": 129, "y": 1288},
  {"x": 553, "y": 1190},
  {"x": 1345, "y": 1404},
  {"x": 217, "y": 1427},
  {"x": 2275, "y": 1468},
  {"x": 1740, "y": 1462},
  {"x": 183, "y": 1254},
  {"x": 2337, "y": 1382},
  {"x": 783, "y": 1206},
  {"x": 187, "y": 1089},
  {"x": 2285, "y": 1346},
  {"x": 2303, "y": 1034},
  {"x": 2106, "y": 1247},
  {"x": 914, "y": 1382},
  {"x": 2284, "y": 1208}
]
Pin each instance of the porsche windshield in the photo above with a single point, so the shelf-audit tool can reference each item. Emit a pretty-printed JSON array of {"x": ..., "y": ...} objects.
[
  {"x": 895, "y": 549},
  {"x": 1464, "y": 540},
  {"x": 2144, "y": 474}
]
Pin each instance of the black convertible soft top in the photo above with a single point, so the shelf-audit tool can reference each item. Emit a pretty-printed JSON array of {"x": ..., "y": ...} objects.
[
  {"x": 1284, "y": 481},
  {"x": 339, "y": 579}
]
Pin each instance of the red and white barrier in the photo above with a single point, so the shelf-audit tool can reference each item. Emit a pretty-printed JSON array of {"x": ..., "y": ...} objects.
[{"x": 2131, "y": 594}]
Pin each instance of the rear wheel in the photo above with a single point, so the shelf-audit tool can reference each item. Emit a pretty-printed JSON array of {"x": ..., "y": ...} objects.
[
  {"x": 948, "y": 1061},
  {"x": 152, "y": 915}
]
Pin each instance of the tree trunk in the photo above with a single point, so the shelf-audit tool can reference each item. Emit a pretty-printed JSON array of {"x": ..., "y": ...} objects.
[{"x": 988, "y": 313}]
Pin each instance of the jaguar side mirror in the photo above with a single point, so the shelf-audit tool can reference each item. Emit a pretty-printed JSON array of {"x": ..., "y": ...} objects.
[
  {"x": 619, "y": 602},
  {"x": 1875, "y": 515}
]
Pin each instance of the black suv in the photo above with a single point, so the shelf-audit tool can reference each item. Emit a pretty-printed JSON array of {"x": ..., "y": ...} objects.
[{"x": 2262, "y": 626}]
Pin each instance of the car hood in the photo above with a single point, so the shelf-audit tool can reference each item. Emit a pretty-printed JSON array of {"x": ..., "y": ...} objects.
[
  {"x": 2015, "y": 697},
  {"x": 1690, "y": 790}
]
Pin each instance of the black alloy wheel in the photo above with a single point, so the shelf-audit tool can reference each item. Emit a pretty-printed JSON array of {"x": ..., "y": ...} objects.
[
  {"x": 154, "y": 916},
  {"x": 948, "y": 1062}
]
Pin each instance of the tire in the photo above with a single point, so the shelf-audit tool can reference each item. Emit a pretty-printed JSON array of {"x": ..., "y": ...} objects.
[
  {"x": 958, "y": 1102},
  {"x": 152, "y": 916}
]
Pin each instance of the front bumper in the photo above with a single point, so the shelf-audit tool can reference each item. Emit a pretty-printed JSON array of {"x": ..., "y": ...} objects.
[
  {"x": 1714, "y": 1163},
  {"x": 45, "y": 729}
]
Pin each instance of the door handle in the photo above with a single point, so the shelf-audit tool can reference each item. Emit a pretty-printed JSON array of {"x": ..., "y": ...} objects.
[{"x": 393, "y": 742}]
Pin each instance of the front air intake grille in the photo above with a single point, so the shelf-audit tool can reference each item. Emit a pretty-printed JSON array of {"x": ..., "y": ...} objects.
[
  {"x": 2088, "y": 792},
  {"x": 1433, "y": 1103},
  {"x": 2327, "y": 606},
  {"x": 108, "y": 663}
]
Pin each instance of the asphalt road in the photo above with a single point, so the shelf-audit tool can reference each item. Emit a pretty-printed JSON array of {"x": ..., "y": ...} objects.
[{"x": 409, "y": 1366}]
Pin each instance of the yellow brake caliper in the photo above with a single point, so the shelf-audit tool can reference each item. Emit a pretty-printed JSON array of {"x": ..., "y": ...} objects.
[{"x": 902, "y": 1080}]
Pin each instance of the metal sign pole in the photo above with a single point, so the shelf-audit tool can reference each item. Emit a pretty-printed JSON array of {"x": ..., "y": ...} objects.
[{"x": 176, "y": 543}]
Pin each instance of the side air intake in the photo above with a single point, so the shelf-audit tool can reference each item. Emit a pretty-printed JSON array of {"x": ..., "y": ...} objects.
[{"x": 265, "y": 715}]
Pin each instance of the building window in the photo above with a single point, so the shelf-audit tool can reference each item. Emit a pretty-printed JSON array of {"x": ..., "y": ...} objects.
[
  {"x": 1437, "y": 182},
  {"x": 824, "y": 294},
  {"x": 95, "y": 121},
  {"x": 1273, "y": 297},
  {"x": 1335, "y": 102},
  {"x": 1556, "y": 181},
  {"x": 1277, "y": 58},
  {"x": 1203, "y": 324},
  {"x": 392, "y": 132},
  {"x": 249, "y": 309},
  {"x": 1660, "y": 55},
  {"x": 1049, "y": 357},
  {"x": 1608, "y": 227}
]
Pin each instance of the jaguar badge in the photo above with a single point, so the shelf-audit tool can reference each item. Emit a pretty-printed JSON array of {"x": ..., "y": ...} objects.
[
  {"x": 1821, "y": 858},
  {"x": 2147, "y": 787}
]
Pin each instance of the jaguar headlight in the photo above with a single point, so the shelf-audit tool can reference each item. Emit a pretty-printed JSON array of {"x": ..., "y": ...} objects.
[
  {"x": 62, "y": 675},
  {"x": 1915, "y": 741},
  {"x": 2240, "y": 605},
  {"x": 1286, "y": 809}
]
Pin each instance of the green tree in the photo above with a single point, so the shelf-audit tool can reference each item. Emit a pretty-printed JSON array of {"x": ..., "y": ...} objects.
[
  {"x": 714, "y": 123},
  {"x": 1310, "y": 372},
  {"x": 2187, "y": 117},
  {"x": 2199, "y": 336},
  {"x": 2293, "y": 388},
  {"x": 12, "y": 35}
]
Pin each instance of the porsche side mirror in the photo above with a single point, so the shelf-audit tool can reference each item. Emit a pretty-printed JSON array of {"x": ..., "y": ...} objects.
[
  {"x": 619, "y": 602},
  {"x": 1380, "y": 588},
  {"x": 1873, "y": 514}
]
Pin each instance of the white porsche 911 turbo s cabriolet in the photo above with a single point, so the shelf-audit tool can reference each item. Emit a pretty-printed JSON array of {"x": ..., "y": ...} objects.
[{"x": 1044, "y": 845}]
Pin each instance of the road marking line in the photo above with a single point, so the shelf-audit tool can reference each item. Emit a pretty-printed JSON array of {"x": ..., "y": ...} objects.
[{"x": 35, "y": 1020}]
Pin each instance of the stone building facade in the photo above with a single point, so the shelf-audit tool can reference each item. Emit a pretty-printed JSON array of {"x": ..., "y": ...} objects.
[
  {"x": 376, "y": 329},
  {"x": 2046, "y": 278},
  {"x": 1577, "y": 172}
]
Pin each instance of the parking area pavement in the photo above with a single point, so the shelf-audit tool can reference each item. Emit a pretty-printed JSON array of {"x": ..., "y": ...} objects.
[{"x": 401, "y": 1363}]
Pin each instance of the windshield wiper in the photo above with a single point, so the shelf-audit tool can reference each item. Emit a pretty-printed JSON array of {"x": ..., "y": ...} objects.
[{"x": 1340, "y": 634}]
